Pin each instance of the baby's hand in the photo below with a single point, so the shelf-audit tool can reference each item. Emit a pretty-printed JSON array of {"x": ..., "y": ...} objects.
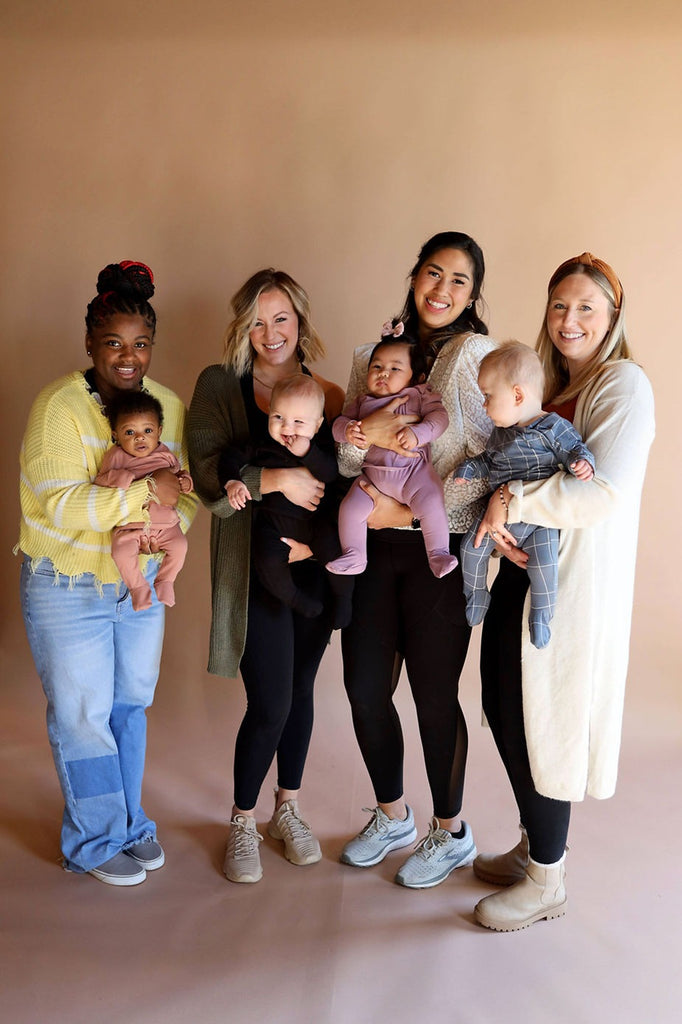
[
  {"x": 354, "y": 434},
  {"x": 461, "y": 480},
  {"x": 407, "y": 438},
  {"x": 237, "y": 493},
  {"x": 582, "y": 469},
  {"x": 296, "y": 444}
]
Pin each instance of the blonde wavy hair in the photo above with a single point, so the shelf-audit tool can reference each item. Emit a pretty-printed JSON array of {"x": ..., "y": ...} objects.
[
  {"x": 238, "y": 353},
  {"x": 558, "y": 386}
]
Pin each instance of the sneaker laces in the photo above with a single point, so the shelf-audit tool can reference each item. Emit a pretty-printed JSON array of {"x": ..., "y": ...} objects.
[
  {"x": 292, "y": 823},
  {"x": 375, "y": 824},
  {"x": 245, "y": 839},
  {"x": 432, "y": 840}
]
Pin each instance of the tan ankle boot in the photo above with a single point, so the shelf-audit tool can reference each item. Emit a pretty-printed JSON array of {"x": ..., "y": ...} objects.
[
  {"x": 504, "y": 868},
  {"x": 541, "y": 894}
]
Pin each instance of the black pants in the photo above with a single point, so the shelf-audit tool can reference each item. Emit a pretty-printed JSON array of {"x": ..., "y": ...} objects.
[
  {"x": 545, "y": 820},
  {"x": 281, "y": 658},
  {"x": 400, "y": 608}
]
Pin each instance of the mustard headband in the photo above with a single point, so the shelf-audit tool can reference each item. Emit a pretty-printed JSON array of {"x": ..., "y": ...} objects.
[{"x": 588, "y": 260}]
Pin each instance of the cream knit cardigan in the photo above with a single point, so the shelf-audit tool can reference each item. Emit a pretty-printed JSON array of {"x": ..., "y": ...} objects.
[{"x": 573, "y": 689}]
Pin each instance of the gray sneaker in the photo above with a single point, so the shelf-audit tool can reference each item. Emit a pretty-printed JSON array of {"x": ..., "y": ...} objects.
[
  {"x": 242, "y": 859},
  {"x": 148, "y": 854},
  {"x": 380, "y": 835},
  {"x": 119, "y": 870},
  {"x": 436, "y": 856}
]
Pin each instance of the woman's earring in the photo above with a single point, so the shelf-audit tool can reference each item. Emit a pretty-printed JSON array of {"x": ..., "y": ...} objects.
[
  {"x": 470, "y": 304},
  {"x": 89, "y": 352}
]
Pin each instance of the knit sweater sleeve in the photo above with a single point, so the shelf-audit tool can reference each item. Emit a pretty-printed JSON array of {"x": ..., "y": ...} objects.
[
  {"x": 59, "y": 463},
  {"x": 217, "y": 422},
  {"x": 349, "y": 457},
  {"x": 616, "y": 418}
]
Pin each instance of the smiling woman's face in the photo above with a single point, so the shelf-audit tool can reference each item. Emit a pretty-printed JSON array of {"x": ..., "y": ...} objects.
[
  {"x": 121, "y": 351},
  {"x": 443, "y": 287},
  {"x": 579, "y": 316},
  {"x": 274, "y": 336}
]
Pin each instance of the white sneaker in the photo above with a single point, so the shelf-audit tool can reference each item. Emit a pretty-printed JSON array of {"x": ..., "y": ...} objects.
[
  {"x": 242, "y": 859},
  {"x": 436, "y": 856},
  {"x": 380, "y": 835},
  {"x": 300, "y": 845}
]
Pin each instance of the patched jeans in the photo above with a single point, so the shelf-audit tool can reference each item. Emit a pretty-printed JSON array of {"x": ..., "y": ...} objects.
[{"x": 98, "y": 661}]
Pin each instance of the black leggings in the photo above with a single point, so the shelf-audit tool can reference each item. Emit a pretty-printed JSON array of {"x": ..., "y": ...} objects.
[
  {"x": 281, "y": 657},
  {"x": 400, "y": 608},
  {"x": 545, "y": 820}
]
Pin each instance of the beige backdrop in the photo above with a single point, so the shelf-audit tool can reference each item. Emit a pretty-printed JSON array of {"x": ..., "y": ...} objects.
[{"x": 212, "y": 138}]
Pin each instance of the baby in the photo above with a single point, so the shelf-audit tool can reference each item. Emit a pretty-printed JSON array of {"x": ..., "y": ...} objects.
[
  {"x": 526, "y": 444},
  {"x": 396, "y": 367},
  {"x": 136, "y": 419},
  {"x": 295, "y": 417}
]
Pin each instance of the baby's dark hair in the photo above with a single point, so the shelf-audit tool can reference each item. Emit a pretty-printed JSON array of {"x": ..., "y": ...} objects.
[
  {"x": 125, "y": 288},
  {"x": 129, "y": 403},
  {"x": 417, "y": 357}
]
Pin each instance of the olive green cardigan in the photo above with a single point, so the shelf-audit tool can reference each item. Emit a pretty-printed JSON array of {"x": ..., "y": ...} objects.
[{"x": 216, "y": 420}]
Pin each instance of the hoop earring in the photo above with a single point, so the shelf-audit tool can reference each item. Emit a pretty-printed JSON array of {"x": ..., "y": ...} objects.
[{"x": 470, "y": 304}]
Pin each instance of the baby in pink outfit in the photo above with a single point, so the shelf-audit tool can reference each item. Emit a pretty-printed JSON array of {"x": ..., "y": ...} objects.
[
  {"x": 394, "y": 369},
  {"x": 136, "y": 418}
]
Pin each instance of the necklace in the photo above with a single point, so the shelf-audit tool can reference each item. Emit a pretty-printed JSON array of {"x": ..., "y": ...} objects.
[{"x": 268, "y": 387}]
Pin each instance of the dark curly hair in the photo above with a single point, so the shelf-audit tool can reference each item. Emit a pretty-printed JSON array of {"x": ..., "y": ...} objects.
[{"x": 125, "y": 288}]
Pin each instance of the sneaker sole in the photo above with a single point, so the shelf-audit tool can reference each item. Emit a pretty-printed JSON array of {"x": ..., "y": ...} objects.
[
  {"x": 149, "y": 865},
  {"x": 102, "y": 876},
  {"x": 312, "y": 858},
  {"x": 397, "y": 844},
  {"x": 243, "y": 878},
  {"x": 440, "y": 878},
  {"x": 517, "y": 926}
]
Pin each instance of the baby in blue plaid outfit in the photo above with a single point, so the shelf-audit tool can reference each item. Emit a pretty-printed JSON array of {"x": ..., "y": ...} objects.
[{"x": 526, "y": 444}]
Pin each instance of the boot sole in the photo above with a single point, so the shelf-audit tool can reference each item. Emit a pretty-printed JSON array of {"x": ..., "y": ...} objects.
[{"x": 517, "y": 926}]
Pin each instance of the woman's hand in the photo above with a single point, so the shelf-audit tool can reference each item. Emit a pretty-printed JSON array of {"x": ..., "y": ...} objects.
[
  {"x": 494, "y": 523},
  {"x": 387, "y": 512},
  {"x": 166, "y": 487},
  {"x": 298, "y": 485},
  {"x": 298, "y": 551},
  {"x": 382, "y": 427}
]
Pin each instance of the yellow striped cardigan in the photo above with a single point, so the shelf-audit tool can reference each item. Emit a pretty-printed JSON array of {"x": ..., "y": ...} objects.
[{"x": 64, "y": 516}]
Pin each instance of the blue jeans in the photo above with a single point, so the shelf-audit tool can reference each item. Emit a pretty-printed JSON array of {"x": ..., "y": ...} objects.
[{"x": 98, "y": 661}]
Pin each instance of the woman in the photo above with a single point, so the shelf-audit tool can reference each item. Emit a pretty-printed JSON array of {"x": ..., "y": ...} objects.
[
  {"x": 276, "y": 649},
  {"x": 398, "y": 604},
  {"x": 97, "y": 658},
  {"x": 556, "y": 713}
]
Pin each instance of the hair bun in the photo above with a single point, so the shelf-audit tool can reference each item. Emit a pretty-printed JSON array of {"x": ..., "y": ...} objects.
[{"x": 127, "y": 277}]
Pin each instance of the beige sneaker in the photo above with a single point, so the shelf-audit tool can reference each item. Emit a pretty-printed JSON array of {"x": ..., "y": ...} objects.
[
  {"x": 300, "y": 845},
  {"x": 242, "y": 859}
]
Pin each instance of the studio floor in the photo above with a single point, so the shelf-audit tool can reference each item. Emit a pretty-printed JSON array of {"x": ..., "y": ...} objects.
[{"x": 329, "y": 944}]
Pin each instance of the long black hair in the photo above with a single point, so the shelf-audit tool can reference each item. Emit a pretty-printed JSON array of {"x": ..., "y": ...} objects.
[{"x": 469, "y": 319}]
